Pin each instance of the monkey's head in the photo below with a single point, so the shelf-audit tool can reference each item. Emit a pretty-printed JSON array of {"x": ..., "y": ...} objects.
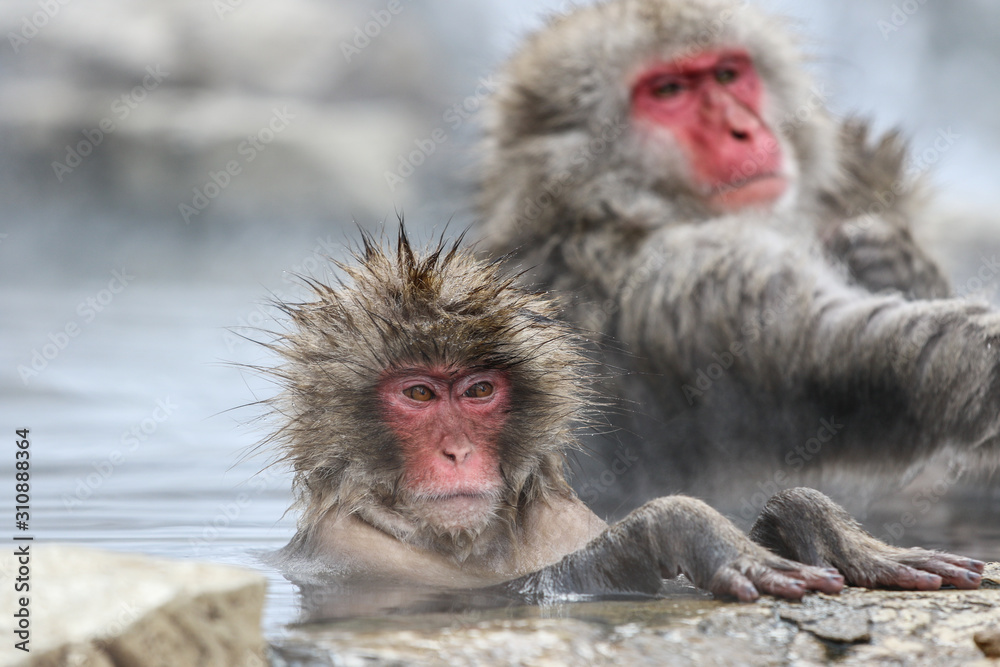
[
  {"x": 428, "y": 394},
  {"x": 652, "y": 111}
]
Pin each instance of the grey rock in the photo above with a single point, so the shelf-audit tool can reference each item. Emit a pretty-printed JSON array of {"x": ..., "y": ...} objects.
[
  {"x": 100, "y": 608},
  {"x": 857, "y": 627}
]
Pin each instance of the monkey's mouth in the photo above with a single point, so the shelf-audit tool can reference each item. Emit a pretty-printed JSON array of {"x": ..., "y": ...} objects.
[
  {"x": 459, "y": 511},
  {"x": 757, "y": 191}
]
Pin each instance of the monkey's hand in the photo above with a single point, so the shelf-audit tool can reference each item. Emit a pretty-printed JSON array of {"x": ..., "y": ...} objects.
[
  {"x": 806, "y": 526},
  {"x": 671, "y": 536},
  {"x": 881, "y": 256}
]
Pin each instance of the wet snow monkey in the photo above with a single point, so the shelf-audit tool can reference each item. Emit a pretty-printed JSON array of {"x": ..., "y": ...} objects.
[
  {"x": 427, "y": 406},
  {"x": 747, "y": 259}
]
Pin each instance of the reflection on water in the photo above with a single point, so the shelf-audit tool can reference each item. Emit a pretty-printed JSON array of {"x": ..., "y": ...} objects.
[
  {"x": 322, "y": 602},
  {"x": 133, "y": 447}
]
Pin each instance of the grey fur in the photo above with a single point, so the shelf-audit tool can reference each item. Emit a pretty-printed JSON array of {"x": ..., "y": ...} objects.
[{"x": 745, "y": 338}]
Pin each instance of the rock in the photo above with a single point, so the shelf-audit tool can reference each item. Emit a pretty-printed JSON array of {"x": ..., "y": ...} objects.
[
  {"x": 839, "y": 624},
  {"x": 857, "y": 627},
  {"x": 106, "y": 609},
  {"x": 988, "y": 642}
]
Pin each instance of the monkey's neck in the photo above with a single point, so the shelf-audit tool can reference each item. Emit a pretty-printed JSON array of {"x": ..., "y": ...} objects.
[{"x": 485, "y": 547}]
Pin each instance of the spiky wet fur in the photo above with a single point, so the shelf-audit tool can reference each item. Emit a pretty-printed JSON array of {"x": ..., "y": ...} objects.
[{"x": 401, "y": 309}]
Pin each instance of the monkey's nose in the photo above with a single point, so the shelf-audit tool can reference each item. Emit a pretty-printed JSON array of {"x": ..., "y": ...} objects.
[
  {"x": 457, "y": 452},
  {"x": 742, "y": 123}
]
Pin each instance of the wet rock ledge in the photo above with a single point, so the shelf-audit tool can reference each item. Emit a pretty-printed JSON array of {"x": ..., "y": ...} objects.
[
  {"x": 857, "y": 627},
  {"x": 93, "y": 608}
]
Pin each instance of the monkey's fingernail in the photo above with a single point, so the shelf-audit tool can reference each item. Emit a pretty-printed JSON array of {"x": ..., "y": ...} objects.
[
  {"x": 747, "y": 593},
  {"x": 973, "y": 576},
  {"x": 830, "y": 571}
]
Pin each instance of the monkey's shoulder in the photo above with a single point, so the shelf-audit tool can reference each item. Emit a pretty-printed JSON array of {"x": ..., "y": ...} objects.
[{"x": 554, "y": 528}]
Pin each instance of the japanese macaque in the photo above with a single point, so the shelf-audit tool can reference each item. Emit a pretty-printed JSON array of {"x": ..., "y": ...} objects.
[
  {"x": 747, "y": 259},
  {"x": 427, "y": 407}
]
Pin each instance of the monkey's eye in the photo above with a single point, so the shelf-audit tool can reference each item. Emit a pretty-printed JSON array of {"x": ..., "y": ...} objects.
[
  {"x": 668, "y": 88},
  {"x": 418, "y": 393},
  {"x": 479, "y": 390},
  {"x": 727, "y": 75}
]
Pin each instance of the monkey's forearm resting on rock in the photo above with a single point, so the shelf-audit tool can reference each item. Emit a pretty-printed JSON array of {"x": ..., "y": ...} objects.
[{"x": 671, "y": 536}]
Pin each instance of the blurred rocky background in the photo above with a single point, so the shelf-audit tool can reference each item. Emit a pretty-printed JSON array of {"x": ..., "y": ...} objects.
[{"x": 182, "y": 134}]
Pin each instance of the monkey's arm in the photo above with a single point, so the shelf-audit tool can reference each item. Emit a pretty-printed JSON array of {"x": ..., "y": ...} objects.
[
  {"x": 921, "y": 374},
  {"x": 806, "y": 526},
  {"x": 667, "y": 537}
]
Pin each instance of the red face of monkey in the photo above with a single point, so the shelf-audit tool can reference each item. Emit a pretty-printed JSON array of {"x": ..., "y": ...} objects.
[
  {"x": 448, "y": 423},
  {"x": 711, "y": 104}
]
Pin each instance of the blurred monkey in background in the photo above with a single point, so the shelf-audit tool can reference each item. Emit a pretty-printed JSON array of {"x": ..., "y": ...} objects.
[{"x": 747, "y": 258}]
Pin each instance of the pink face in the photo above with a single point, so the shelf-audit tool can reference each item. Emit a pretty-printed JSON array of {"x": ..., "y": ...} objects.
[
  {"x": 711, "y": 104},
  {"x": 448, "y": 424}
]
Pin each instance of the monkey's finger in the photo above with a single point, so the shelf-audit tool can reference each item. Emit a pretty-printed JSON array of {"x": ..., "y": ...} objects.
[
  {"x": 962, "y": 562},
  {"x": 895, "y": 575},
  {"x": 956, "y": 571},
  {"x": 976, "y": 566},
  {"x": 822, "y": 580},
  {"x": 953, "y": 575},
  {"x": 728, "y": 582},
  {"x": 781, "y": 585}
]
